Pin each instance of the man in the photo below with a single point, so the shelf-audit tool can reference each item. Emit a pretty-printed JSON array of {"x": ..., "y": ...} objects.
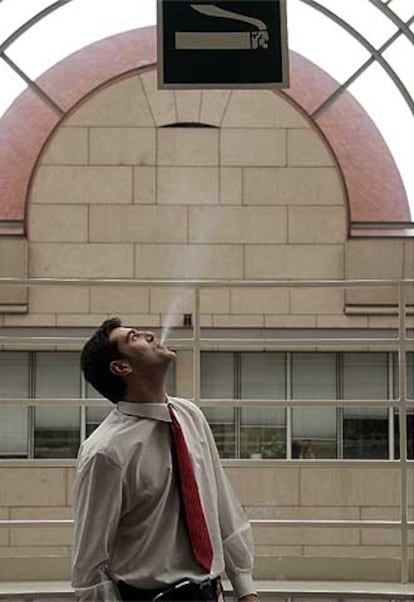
[{"x": 136, "y": 535}]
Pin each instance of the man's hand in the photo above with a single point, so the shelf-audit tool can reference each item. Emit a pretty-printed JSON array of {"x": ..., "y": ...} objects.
[{"x": 249, "y": 598}]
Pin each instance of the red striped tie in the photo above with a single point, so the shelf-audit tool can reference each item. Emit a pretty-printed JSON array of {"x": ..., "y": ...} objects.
[{"x": 193, "y": 511}]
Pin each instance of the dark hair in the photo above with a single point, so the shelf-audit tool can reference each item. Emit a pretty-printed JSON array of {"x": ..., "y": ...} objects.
[{"x": 97, "y": 354}]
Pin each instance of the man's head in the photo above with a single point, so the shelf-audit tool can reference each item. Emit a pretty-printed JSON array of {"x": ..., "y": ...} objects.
[{"x": 115, "y": 355}]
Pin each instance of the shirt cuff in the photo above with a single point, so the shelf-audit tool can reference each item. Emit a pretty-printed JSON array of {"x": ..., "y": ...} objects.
[{"x": 243, "y": 585}]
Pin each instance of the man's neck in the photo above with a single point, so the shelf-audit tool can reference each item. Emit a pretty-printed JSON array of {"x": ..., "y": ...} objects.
[{"x": 147, "y": 393}]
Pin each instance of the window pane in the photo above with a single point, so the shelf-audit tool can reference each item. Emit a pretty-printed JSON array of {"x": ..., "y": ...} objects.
[
  {"x": 217, "y": 375},
  {"x": 263, "y": 433},
  {"x": 221, "y": 421},
  {"x": 217, "y": 381},
  {"x": 365, "y": 376},
  {"x": 314, "y": 433},
  {"x": 57, "y": 430},
  {"x": 14, "y": 382},
  {"x": 410, "y": 435},
  {"x": 263, "y": 375},
  {"x": 365, "y": 430},
  {"x": 313, "y": 375}
]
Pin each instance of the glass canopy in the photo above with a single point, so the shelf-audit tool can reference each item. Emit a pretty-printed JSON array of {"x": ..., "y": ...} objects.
[{"x": 367, "y": 46}]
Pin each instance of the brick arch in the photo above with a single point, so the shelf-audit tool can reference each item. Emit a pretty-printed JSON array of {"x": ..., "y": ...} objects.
[{"x": 29, "y": 123}]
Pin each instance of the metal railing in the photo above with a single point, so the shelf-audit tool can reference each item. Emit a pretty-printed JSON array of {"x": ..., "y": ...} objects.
[{"x": 197, "y": 343}]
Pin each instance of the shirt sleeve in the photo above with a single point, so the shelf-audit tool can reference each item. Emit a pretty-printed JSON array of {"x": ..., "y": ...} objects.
[
  {"x": 97, "y": 507},
  {"x": 235, "y": 529}
]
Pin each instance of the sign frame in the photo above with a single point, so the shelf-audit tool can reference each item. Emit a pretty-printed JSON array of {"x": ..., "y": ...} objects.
[{"x": 163, "y": 85}]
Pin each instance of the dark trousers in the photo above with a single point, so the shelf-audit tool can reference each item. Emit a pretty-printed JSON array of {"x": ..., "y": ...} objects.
[{"x": 184, "y": 591}]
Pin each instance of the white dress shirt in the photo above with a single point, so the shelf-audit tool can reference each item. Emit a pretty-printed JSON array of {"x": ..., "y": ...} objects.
[{"x": 128, "y": 520}]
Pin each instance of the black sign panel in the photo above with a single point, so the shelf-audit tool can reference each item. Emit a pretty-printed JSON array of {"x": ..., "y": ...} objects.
[{"x": 229, "y": 44}]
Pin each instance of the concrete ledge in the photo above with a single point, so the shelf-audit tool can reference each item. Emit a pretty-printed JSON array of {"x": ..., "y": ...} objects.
[{"x": 34, "y": 591}]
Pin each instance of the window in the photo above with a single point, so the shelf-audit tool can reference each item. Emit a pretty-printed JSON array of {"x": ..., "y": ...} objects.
[
  {"x": 57, "y": 430},
  {"x": 14, "y": 379}
]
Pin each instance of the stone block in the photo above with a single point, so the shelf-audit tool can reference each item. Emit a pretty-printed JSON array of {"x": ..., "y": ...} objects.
[
  {"x": 266, "y": 301},
  {"x": 350, "y": 486},
  {"x": 262, "y": 108},
  {"x": 317, "y": 225},
  {"x": 306, "y": 148},
  {"x": 161, "y": 102},
  {"x": 41, "y": 536},
  {"x": 121, "y": 103},
  {"x": 189, "y": 261},
  {"x": 250, "y": 147},
  {"x": 316, "y": 301},
  {"x": 68, "y": 146},
  {"x": 80, "y": 320},
  {"x": 37, "y": 486},
  {"x": 305, "y": 536},
  {"x": 243, "y": 225},
  {"x": 215, "y": 300},
  {"x": 144, "y": 185},
  {"x": 213, "y": 105},
  {"x": 58, "y": 223},
  {"x": 294, "y": 261},
  {"x": 82, "y": 185},
  {"x": 122, "y": 146},
  {"x": 265, "y": 486},
  {"x": 238, "y": 321},
  {"x": 76, "y": 260},
  {"x": 231, "y": 185},
  {"x": 117, "y": 300},
  {"x": 166, "y": 300},
  {"x": 283, "y": 321},
  {"x": 188, "y": 105},
  {"x": 341, "y": 321},
  {"x": 30, "y": 320},
  {"x": 292, "y": 186},
  {"x": 58, "y": 299},
  {"x": 372, "y": 260},
  {"x": 188, "y": 147},
  {"x": 187, "y": 185},
  {"x": 13, "y": 264},
  {"x": 138, "y": 223}
]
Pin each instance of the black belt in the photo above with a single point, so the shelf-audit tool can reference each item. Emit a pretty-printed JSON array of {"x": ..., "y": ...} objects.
[{"x": 209, "y": 590}]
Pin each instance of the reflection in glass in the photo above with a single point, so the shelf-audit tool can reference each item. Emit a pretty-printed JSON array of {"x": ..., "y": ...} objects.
[
  {"x": 222, "y": 424},
  {"x": 14, "y": 382},
  {"x": 263, "y": 433},
  {"x": 365, "y": 430},
  {"x": 57, "y": 430},
  {"x": 314, "y": 433},
  {"x": 263, "y": 375},
  {"x": 410, "y": 434},
  {"x": 74, "y": 26}
]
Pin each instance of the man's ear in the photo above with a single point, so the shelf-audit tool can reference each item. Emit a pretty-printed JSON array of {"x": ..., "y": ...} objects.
[{"x": 120, "y": 367}]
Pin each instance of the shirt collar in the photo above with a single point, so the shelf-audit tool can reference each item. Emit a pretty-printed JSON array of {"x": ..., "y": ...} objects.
[{"x": 153, "y": 411}]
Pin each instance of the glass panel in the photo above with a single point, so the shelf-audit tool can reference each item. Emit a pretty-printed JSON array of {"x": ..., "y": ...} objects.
[
  {"x": 263, "y": 375},
  {"x": 263, "y": 433},
  {"x": 13, "y": 14},
  {"x": 410, "y": 374},
  {"x": 74, "y": 26},
  {"x": 217, "y": 375},
  {"x": 370, "y": 22},
  {"x": 314, "y": 433},
  {"x": 222, "y": 423},
  {"x": 410, "y": 435},
  {"x": 14, "y": 383},
  {"x": 337, "y": 52},
  {"x": 217, "y": 381},
  {"x": 365, "y": 376},
  {"x": 393, "y": 118},
  {"x": 313, "y": 376},
  {"x": 57, "y": 430},
  {"x": 365, "y": 430},
  {"x": 403, "y": 8}
]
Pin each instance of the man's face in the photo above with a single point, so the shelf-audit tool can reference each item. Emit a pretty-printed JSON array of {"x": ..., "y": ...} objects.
[{"x": 141, "y": 349}]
